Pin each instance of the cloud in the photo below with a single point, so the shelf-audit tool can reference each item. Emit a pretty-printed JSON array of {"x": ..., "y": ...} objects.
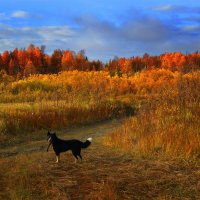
[
  {"x": 146, "y": 29},
  {"x": 103, "y": 40},
  {"x": 20, "y": 14},
  {"x": 164, "y": 8},
  {"x": 176, "y": 9},
  {"x": 52, "y": 36},
  {"x": 134, "y": 36}
]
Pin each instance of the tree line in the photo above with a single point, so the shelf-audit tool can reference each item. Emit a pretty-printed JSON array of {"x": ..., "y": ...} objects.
[{"x": 34, "y": 60}]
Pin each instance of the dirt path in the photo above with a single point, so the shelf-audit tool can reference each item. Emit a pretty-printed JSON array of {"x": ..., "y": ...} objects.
[
  {"x": 105, "y": 172},
  {"x": 37, "y": 142}
]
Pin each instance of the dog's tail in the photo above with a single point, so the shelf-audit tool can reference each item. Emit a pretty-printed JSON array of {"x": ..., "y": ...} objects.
[{"x": 86, "y": 143}]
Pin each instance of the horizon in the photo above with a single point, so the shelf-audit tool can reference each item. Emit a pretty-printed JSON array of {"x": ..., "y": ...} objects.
[{"x": 103, "y": 29}]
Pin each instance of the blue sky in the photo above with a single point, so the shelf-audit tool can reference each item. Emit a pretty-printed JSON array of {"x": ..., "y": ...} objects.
[{"x": 104, "y": 29}]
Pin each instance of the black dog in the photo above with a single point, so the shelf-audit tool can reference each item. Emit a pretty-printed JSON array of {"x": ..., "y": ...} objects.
[{"x": 64, "y": 145}]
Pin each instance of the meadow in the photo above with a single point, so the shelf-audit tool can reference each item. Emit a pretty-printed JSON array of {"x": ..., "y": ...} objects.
[
  {"x": 145, "y": 127},
  {"x": 57, "y": 101}
]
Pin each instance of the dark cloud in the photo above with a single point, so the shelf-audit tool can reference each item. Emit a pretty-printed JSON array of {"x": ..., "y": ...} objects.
[
  {"x": 136, "y": 36},
  {"x": 146, "y": 29}
]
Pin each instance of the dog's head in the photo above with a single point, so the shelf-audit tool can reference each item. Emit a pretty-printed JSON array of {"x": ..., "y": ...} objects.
[{"x": 50, "y": 136}]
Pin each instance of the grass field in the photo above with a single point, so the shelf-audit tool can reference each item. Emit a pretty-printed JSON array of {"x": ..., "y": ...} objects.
[{"x": 145, "y": 128}]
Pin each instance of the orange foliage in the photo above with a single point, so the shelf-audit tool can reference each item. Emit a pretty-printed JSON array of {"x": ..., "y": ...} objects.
[{"x": 14, "y": 62}]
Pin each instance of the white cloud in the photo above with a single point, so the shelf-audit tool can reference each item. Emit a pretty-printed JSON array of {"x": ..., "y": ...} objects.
[
  {"x": 177, "y": 9},
  {"x": 51, "y": 36},
  {"x": 164, "y": 8},
  {"x": 20, "y": 14}
]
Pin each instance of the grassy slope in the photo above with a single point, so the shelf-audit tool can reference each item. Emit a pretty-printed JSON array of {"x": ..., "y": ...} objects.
[{"x": 29, "y": 172}]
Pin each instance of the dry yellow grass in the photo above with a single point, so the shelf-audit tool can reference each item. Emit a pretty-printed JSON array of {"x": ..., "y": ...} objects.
[{"x": 168, "y": 124}]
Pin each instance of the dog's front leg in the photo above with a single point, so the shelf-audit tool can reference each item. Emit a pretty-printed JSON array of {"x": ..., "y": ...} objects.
[
  {"x": 48, "y": 146},
  {"x": 57, "y": 158}
]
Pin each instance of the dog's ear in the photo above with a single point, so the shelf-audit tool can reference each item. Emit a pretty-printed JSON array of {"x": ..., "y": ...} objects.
[
  {"x": 48, "y": 133},
  {"x": 54, "y": 133}
]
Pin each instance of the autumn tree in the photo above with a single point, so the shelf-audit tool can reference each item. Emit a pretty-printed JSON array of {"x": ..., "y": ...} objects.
[
  {"x": 22, "y": 57},
  {"x": 5, "y": 59},
  {"x": 37, "y": 59},
  {"x": 1, "y": 63},
  {"x": 82, "y": 61},
  {"x": 29, "y": 68},
  {"x": 56, "y": 59},
  {"x": 46, "y": 63},
  {"x": 95, "y": 65},
  {"x": 68, "y": 60},
  {"x": 34, "y": 60},
  {"x": 113, "y": 65},
  {"x": 11, "y": 67},
  {"x": 137, "y": 64}
]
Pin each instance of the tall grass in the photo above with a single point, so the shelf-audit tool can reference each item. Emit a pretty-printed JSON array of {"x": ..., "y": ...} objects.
[
  {"x": 57, "y": 101},
  {"x": 49, "y": 117},
  {"x": 168, "y": 124}
]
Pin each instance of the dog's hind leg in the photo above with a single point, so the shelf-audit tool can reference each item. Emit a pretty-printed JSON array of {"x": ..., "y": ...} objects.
[
  {"x": 80, "y": 156},
  {"x": 78, "y": 153},
  {"x": 75, "y": 155}
]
